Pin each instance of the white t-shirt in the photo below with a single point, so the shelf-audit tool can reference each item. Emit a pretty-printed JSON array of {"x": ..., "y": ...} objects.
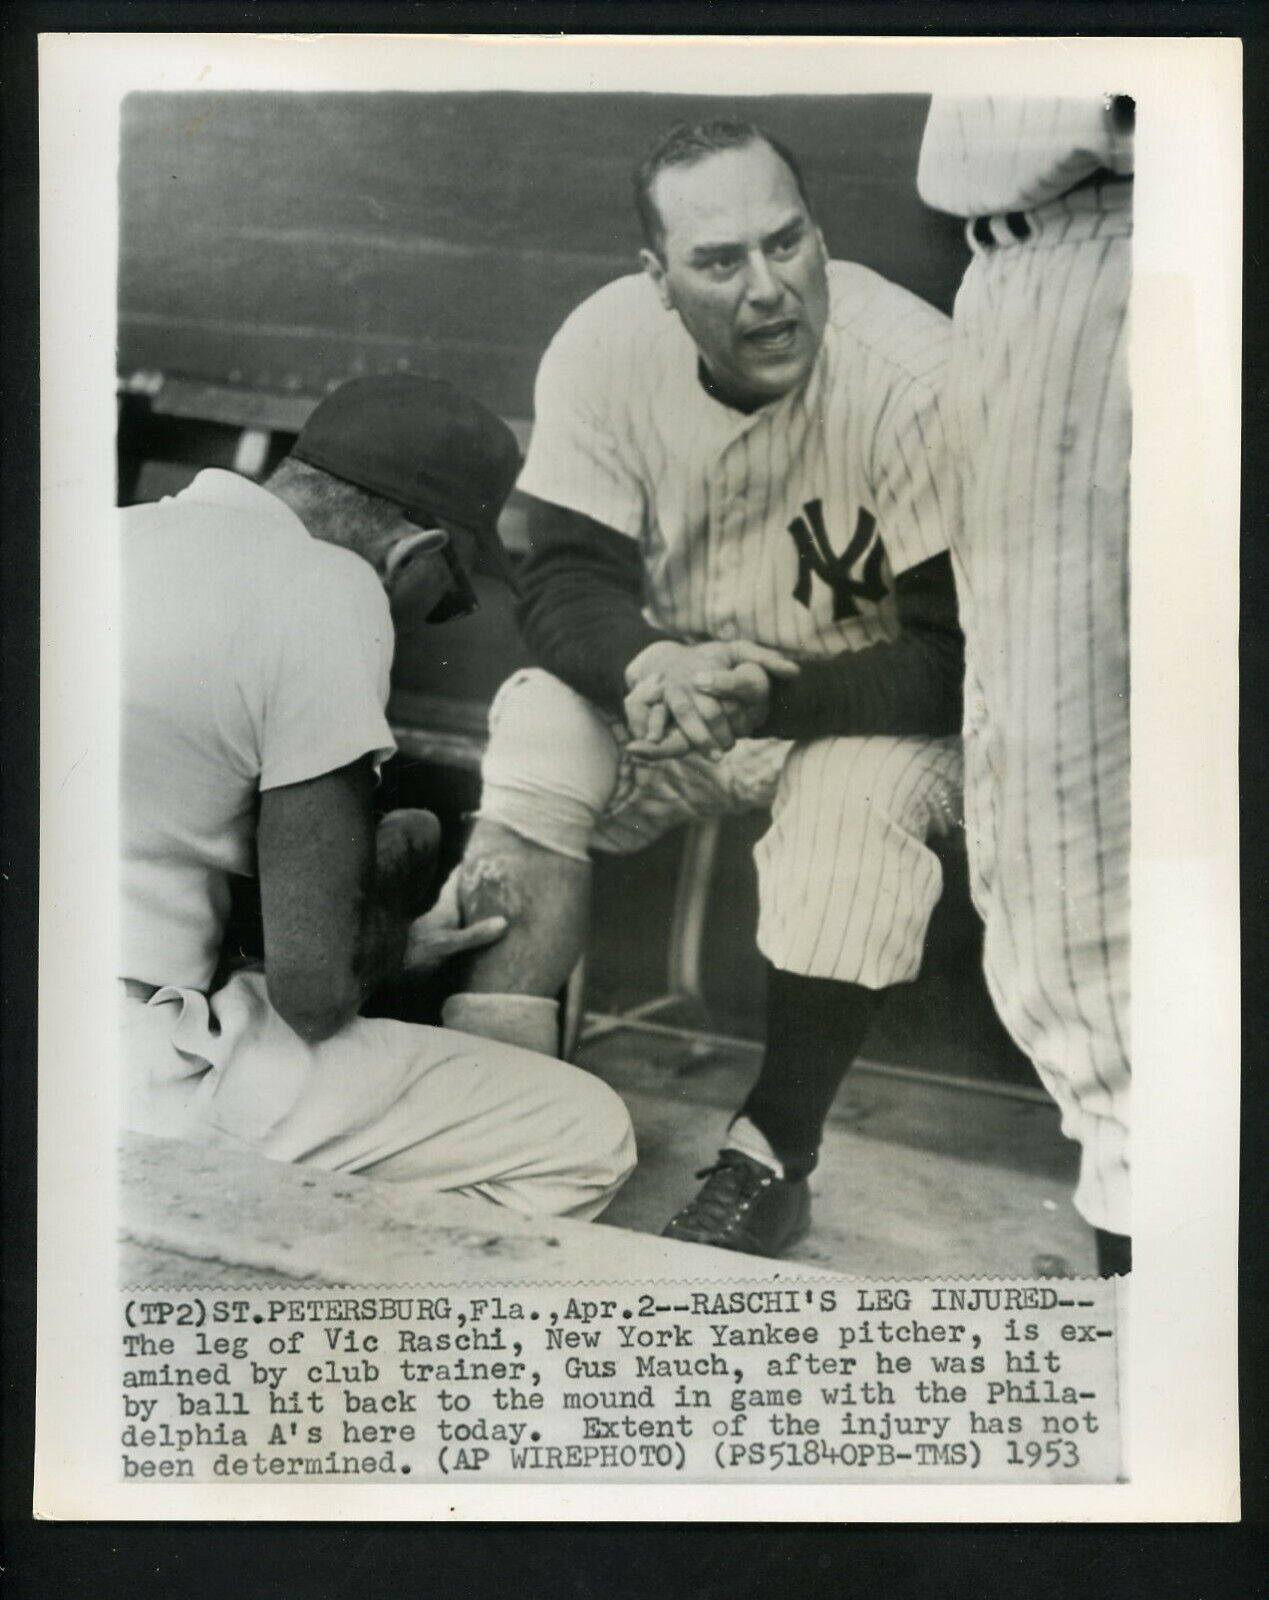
[
  {"x": 253, "y": 656},
  {"x": 994, "y": 153},
  {"x": 727, "y": 507}
]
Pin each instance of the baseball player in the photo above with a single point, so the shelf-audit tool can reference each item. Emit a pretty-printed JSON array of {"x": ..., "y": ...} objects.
[
  {"x": 740, "y": 595},
  {"x": 1038, "y": 400}
]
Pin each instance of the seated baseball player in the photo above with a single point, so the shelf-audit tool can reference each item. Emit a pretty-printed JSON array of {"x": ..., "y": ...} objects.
[
  {"x": 257, "y": 645},
  {"x": 740, "y": 597}
]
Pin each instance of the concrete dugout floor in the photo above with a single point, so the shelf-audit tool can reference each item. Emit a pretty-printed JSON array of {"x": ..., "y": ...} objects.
[{"x": 915, "y": 1177}]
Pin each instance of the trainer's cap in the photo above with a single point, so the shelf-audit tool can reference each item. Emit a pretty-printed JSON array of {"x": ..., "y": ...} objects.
[{"x": 423, "y": 444}]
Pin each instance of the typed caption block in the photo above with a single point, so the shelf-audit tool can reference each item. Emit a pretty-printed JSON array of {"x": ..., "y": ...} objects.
[{"x": 850, "y": 1382}]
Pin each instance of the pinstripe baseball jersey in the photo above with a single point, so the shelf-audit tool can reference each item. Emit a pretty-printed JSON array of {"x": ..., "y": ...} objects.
[
  {"x": 785, "y": 525},
  {"x": 1001, "y": 153}
]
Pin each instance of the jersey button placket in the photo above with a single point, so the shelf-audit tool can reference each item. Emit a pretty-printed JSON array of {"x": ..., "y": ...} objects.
[
  {"x": 726, "y": 516},
  {"x": 733, "y": 522}
]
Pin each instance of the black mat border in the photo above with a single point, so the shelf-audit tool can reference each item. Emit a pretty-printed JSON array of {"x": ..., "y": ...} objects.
[{"x": 595, "y": 1561}]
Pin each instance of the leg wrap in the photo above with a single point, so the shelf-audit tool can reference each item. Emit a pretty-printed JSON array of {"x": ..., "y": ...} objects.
[{"x": 551, "y": 765}]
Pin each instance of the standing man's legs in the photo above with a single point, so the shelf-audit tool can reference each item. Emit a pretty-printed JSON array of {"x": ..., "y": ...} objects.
[{"x": 1039, "y": 385}]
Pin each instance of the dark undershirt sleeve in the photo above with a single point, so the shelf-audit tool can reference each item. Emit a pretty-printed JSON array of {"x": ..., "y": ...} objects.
[
  {"x": 910, "y": 686},
  {"x": 581, "y": 602}
]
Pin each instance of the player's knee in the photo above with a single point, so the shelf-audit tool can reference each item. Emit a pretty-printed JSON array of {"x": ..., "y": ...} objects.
[
  {"x": 551, "y": 765},
  {"x": 828, "y": 776},
  {"x": 533, "y": 707},
  {"x": 874, "y": 785}
]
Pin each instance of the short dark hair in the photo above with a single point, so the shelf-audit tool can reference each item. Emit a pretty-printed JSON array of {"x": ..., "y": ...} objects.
[
  {"x": 349, "y": 515},
  {"x": 359, "y": 515},
  {"x": 684, "y": 145}
]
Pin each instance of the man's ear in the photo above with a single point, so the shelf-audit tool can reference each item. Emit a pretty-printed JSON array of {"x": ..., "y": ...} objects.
[
  {"x": 403, "y": 550},
  {"x": 653, "y": 265}
]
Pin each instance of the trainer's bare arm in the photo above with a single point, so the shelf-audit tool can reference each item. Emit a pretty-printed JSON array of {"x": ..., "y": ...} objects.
[{"x": 341, "y": 898}]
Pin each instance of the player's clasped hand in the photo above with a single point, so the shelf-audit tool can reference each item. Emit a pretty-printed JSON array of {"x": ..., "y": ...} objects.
[
  {"x": 439, "y": 935},
  {"x": 700, "y": 697}
]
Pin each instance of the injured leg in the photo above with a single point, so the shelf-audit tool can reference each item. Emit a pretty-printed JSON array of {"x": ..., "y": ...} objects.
[
  {"x": 545, "y": 898},
  {"x": 510, "y": 989},
  {"x": 548, "y": 773}
]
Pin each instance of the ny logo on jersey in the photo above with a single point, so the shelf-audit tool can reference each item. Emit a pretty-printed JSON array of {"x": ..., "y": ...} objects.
[{"x": 815, "y": 557}]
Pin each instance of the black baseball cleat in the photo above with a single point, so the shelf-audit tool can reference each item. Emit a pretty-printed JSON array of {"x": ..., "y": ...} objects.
[
  {"x": 743, "y": 1205},
  {"x": 1114, "y": 1254}
]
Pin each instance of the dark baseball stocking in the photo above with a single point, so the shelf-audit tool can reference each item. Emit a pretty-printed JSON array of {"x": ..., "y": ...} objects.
[{"x": 815, "y": 1028}]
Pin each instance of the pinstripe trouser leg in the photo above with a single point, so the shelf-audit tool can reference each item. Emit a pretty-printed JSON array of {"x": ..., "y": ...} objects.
[
  {"x": 1039, "y": 394},
  {"x": 847, "y": 883}
]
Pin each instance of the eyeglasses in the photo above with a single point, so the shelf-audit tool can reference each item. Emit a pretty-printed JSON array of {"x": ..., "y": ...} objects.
[{"x": 460, "y": 598}]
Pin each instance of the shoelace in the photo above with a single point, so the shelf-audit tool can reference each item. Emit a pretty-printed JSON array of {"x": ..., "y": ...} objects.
[{"x": 731, "y": 1182}]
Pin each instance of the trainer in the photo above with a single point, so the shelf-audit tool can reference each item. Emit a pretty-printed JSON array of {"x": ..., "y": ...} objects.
[
  {"x": 740, "y": 597},
  {"x": 257, "y": 645}
]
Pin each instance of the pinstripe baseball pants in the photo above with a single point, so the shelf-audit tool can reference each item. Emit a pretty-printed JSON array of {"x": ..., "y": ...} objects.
[{"x": 1038, "y": 394}]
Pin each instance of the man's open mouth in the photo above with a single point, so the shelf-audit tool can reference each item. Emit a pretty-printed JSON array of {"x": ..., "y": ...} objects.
[{"x": 774, "y": 337}]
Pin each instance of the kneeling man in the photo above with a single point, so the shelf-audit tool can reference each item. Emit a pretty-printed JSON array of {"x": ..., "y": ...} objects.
[{"x": 257, "y": 645}]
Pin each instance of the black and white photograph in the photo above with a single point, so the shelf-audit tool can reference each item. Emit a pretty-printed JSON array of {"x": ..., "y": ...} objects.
[{"x": 629, "y": 860}]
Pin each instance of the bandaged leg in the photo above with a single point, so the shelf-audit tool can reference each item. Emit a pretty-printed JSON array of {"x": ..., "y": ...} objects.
[
  {"x": 551, "y": 766},
  {"x": 548, "y": 774}
]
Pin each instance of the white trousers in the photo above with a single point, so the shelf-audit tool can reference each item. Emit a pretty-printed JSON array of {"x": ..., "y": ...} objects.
[
  {"x": 424, "y": 1107},
  {"x": 1038, "y": 392},
  {"x": 846, "y": 881}
]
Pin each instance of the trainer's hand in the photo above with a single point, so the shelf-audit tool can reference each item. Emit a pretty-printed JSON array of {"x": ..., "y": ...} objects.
[
  {"x": 669, "y": 694},
  {"x": 438, "y": 935},
  {"x": 407, "y": 843}
]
